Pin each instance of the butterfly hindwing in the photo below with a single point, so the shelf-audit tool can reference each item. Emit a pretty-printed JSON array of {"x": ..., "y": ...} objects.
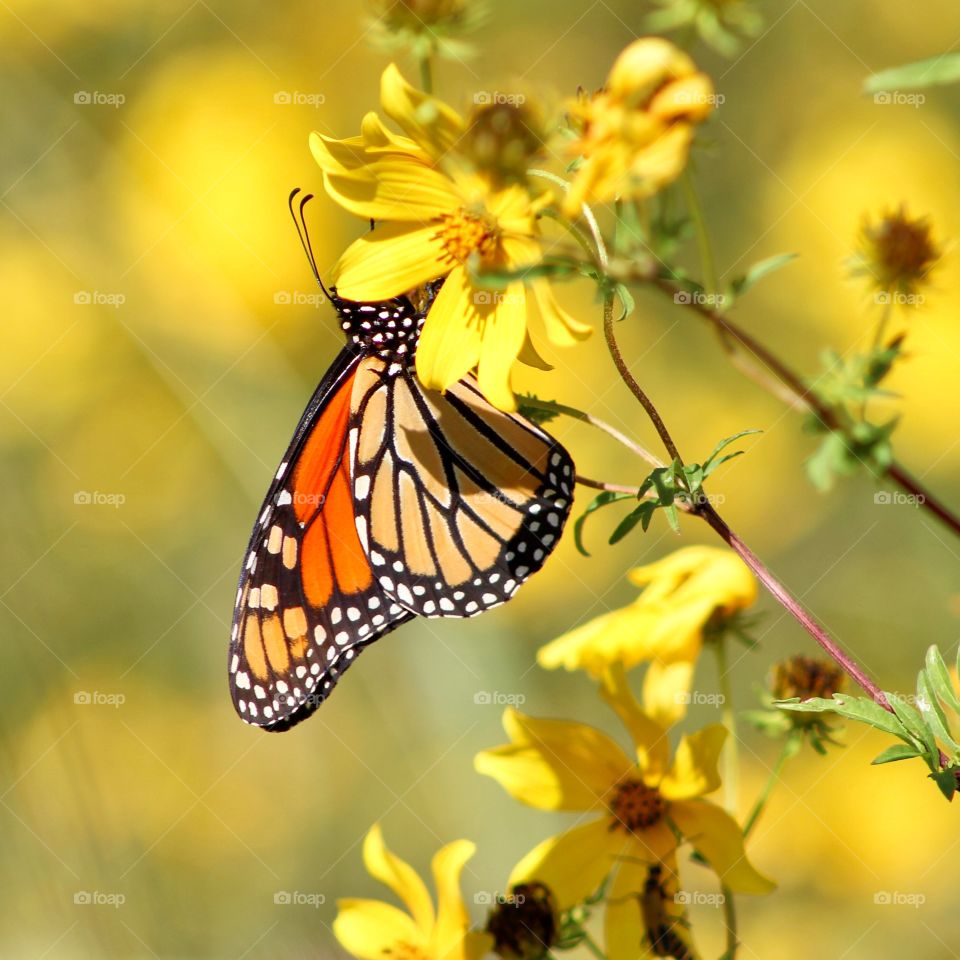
[
  {"x": 457, "y": 502},
  {"x": 307, "y": 601}
]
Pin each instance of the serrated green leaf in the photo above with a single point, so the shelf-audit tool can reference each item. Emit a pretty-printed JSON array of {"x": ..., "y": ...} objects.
[
  {"x": 673, "y": 517},
  {"x": 862, "y": 709},
  {"x": 935, "y": 71},
  {"x": 915, "y": 724},
  {"x": 898, "y": 751},
  {"x": 759, "y": 270}
]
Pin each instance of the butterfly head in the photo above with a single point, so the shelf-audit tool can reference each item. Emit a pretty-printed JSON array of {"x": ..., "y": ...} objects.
[{"x": 389, "y": 329}]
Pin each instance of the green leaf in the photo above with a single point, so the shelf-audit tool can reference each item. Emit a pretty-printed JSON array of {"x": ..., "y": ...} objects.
[
  {"x": 861, "y": 709},
  {"x": 601, "y": 500},
  {"x": 626, "y": 300},
  {"x": 936, "y": 71},
  {"x": 915, "y": 725},
  {"x": 725, "y": 442},
  {"x": 535, "y": 413},
  {"x": 946, "y": 780},
  {"x": 631, "y": 520},
  {"x": 940, "y": 679},
  {"x": 897, "y": 751},
  {"x": 933, "y": 714},
  {"x": 758, "y": 271}
]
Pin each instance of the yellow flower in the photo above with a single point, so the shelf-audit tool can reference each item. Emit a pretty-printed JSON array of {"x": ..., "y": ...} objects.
[
  {"x": 642, "y": 805},
  {"x": 686, "y": 592},
  {"x": 440, "y": 218},
  {"x": 635, "y": 133},
  {"x": 373, "y": 930}
]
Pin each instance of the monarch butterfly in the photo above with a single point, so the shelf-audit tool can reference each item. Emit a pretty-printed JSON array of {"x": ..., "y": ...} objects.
[
  {"x": 392, "y": 501},
  {"x": 660, "y": 927}
]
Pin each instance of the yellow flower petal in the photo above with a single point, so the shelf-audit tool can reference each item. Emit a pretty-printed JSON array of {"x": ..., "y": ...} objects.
[
  {"x": 452, "y": 917},
  {"x": 426, "y": 120},
  {"x": 573, "y": 864},
  {"x": 388, "y": 261},
  {"x": 623, "y": 921},
  {"x": 554, "y": 764},
  {"x": 504, "y": 330},
  {"x": 645, "y": 64},
  {"x": 399, "y": 876},
  {"x": 562, "y": 329},
  {"x": 666, "y": 690},
  {"x": 653, "y": 748},
  {"x": 717, "y": 837},
  {"x": 395, "y": 188},
  {"x": 450, "y": 340},
  {"x": 371, "y": 930},
  {"x": 694, "y": 770}
]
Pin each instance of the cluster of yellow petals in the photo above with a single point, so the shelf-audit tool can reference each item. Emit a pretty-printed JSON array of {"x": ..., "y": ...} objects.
[{"x": 635, "y": 133}]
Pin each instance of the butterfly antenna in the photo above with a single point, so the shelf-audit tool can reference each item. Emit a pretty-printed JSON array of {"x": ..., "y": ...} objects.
[{"x": 299, "y": 221}]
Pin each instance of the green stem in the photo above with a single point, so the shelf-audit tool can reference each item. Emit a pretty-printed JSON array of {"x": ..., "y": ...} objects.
[
  {"x": 730, "y": 922},
  {"x": 758, "y": 807},
  {"x": 426, "y": 73},
  {"x": 731, "y": 750},
  {"x": 883, "y": 323},
  {"x": 592, "y": 945},
  {"x": 707, "y": 265}
]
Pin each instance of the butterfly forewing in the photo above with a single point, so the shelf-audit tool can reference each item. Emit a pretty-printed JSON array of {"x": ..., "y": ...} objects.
[
  {"x": 457, "y": 502},
  {"x": 307, "y": 601}
]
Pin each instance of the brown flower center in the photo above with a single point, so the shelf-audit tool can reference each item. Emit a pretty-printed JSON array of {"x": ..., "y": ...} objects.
[
  {"x": 806, "y": 677},
  {"x": 463, "y": 233},
  {"x": 635, "y": 806}
]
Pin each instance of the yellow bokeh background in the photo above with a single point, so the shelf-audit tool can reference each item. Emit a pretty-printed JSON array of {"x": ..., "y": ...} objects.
[{"x": 160, "y": 340}]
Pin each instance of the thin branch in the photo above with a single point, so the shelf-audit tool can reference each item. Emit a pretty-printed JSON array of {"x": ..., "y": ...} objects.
[
  {"x": 603, "y": 485},
  {"x": 553, "y": 407},
  {"x": 802, "y": 397}
]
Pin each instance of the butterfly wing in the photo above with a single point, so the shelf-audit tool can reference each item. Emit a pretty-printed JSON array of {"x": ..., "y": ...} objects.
[
  {"x": 457, "y": 502},
  {"x": 307, "y": 600}
]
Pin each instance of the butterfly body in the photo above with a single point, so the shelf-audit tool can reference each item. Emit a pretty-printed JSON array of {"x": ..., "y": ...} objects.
[{"x": 391, "y": 502}]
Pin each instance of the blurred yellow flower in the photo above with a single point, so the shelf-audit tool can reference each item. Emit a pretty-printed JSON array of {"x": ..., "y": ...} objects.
[
  {"x": 645, "y": 805},
  {"x": 372, "y": 930},
  {"x": 442, "y": 219},
  {"x": 635, "y": 133},
  {"x": 685, "y": 592}
]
